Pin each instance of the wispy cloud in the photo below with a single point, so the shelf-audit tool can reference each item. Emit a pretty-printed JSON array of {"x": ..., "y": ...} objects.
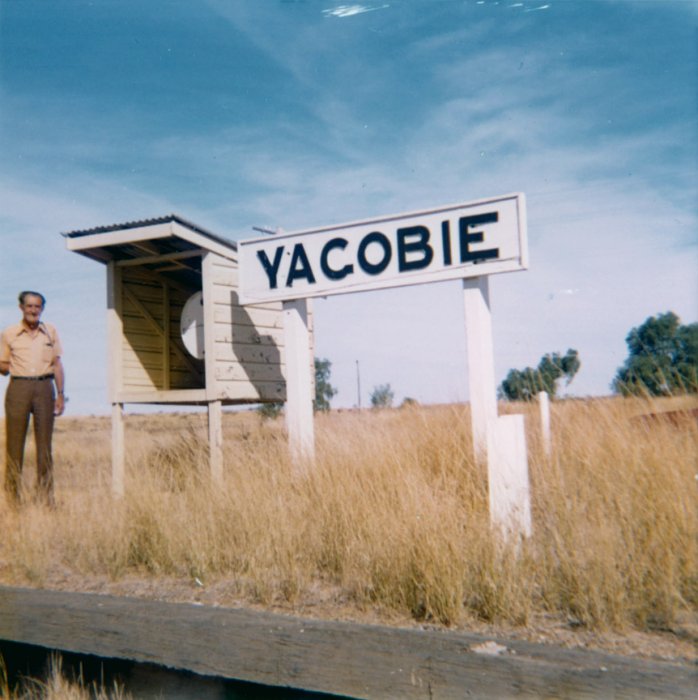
[
  {"x": 458, "y": 112},
  {"x": 342, "y": 11}
]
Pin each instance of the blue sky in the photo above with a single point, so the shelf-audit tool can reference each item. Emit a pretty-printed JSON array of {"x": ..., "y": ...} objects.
[{"x": 306, "y": 113}]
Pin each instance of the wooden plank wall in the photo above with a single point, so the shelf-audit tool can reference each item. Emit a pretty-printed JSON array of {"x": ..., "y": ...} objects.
[
  {"x": 248, "y": 349},
  {"x": 249, "y": 341},
  {"x": 151, "y": 361}
]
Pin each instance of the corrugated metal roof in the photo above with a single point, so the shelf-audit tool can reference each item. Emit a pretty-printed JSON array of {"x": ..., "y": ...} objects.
[{"x": 151, "y": 222}]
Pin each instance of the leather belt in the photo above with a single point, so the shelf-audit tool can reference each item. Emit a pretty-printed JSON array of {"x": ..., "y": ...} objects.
[{"x": 34, "y": 379}]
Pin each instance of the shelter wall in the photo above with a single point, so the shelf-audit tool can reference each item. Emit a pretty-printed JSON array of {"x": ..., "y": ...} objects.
[
  {"x": 244, "y": 346},
  {"x": 247, "y": 342},
  {"x": 153, "y": 356}
]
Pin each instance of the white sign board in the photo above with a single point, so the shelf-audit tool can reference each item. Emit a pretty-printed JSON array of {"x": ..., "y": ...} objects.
[{"x": 452, "y": 242}]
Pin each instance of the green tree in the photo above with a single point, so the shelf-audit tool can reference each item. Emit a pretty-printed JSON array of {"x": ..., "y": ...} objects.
[
  {"x": 409, "y": 402},
  {"x": 662, "y": 358},
  {"x": 269, "y": 411},
  {"x": 382, "y": 396},
  {"x": 523, "y": 385},
  {"x": 324, "y": 391}
]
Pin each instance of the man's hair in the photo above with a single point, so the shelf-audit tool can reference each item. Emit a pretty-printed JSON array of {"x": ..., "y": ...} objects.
[{"x": 28, "y": 293}]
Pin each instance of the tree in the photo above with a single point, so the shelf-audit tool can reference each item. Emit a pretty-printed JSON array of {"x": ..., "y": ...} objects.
[
  {"x": 269, "y": 411},
  {"x": 382, "y": 396},
  {"x": 523, "y": 385},
  {"x": 662, "y": 358},
  {"x": 409, "y": 402},
  {"x": 324, "y": 391}
]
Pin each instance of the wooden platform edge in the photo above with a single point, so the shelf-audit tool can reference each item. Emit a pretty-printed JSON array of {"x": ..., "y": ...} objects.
[{"x": 355, "y": 660}]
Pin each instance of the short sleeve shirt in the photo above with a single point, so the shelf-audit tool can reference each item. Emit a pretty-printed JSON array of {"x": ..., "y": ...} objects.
[{"x": 30, "y": 353}]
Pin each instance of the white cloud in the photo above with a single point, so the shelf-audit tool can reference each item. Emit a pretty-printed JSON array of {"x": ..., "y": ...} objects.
[
  {"x": 351, "y": 10},
  {"x": 612, "y": 216}
]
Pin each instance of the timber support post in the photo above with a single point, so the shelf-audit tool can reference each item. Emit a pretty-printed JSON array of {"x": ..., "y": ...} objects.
[
  {"x": 215, "y": 440},
  {"x": 118, "y": 453}
]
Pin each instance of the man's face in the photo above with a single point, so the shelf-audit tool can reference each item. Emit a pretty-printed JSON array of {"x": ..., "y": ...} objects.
[{"x": 31, "y": 309}]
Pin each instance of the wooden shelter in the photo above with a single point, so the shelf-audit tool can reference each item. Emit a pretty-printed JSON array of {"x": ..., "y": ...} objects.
[{"x": 157, "y": 271}]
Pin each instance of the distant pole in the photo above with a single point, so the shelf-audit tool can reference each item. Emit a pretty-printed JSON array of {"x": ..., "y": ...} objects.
[
  {"x": 358, "y": 386},
  {"x": 544, "y": 405}
]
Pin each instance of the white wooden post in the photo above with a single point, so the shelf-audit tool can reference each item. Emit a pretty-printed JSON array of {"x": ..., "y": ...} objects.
[
  {"x": 213, "y": 394},
  {"x": 115, "y": 363},
  {"x": 299, "y": 381},
  {"x": 507, "y": 474},
  {"x": 544, "y": 406},
  {"x": 501, "y": 441},
  {"x": 215, "y": 440},
  {"x": 165, "y": 337},
  {"x": 118, "y": 455},
  {"x": 481, "y": 379}
]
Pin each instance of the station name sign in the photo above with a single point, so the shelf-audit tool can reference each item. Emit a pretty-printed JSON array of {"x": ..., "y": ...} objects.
[{"x": 452, "y": 242}]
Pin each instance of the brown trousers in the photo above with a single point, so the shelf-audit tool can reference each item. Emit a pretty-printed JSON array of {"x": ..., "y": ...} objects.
[{"x": 25, "y": 398}]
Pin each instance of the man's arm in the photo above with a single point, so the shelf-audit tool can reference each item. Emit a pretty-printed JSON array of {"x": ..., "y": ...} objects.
[
  {"x": 4, "y": 355},
  {"x": 59, "y": 378}
]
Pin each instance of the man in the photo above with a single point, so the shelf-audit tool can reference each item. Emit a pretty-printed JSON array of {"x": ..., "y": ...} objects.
[{"x": 30, "y": 352}]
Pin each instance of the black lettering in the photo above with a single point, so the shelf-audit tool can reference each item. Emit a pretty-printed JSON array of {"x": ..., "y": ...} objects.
[
  {"x": 446, "y": 241},
  {"x": 466, "y": 238},
  {"x": 328, "y": 271},
  {"x": 369, "y": 267},
  {"x": 271, "y": 268},
  {"x": 421, "y": 245},
  {"x": 300, "y": 267}
]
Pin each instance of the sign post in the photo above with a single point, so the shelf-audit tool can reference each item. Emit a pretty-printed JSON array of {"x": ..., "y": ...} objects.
[
  {"x": 462, "y": 241},
  {"x": 299, "y": 397},
  {"x": 481, "y": 381},
  {"x": 507, "y": 476}
]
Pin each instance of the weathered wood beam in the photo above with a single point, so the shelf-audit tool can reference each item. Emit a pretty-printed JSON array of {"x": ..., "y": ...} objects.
[
  {"x": 149, "y": 260},
  {"x": 146, "y": 247},
  {"x": 357, "y": 660}
]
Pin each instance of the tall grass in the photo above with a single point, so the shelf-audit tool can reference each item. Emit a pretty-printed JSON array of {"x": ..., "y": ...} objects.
[
  {"x": 57, "y": 686},
  {"x": 393, "y": 515}
]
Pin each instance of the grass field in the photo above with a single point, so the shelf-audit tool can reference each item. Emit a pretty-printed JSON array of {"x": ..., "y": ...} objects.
[{"x": 393, "y": 515}]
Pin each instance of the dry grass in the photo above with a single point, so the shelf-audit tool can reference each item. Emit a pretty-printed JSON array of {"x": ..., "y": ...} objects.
[
  {"x": 57, "y": 687},
  {"x": 392, "y": 516}
]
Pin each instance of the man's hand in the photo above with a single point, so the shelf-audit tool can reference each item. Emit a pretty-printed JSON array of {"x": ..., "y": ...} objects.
[
  {"x": 59, "y": 374},
  {"x": 59, "y": 405}
]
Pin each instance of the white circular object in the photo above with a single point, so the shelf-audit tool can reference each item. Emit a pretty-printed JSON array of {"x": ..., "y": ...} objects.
[{"x": 192, "y": 325}]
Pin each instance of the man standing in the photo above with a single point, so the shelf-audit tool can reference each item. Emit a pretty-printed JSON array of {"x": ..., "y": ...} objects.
[{"x": 30, "y": 352}]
